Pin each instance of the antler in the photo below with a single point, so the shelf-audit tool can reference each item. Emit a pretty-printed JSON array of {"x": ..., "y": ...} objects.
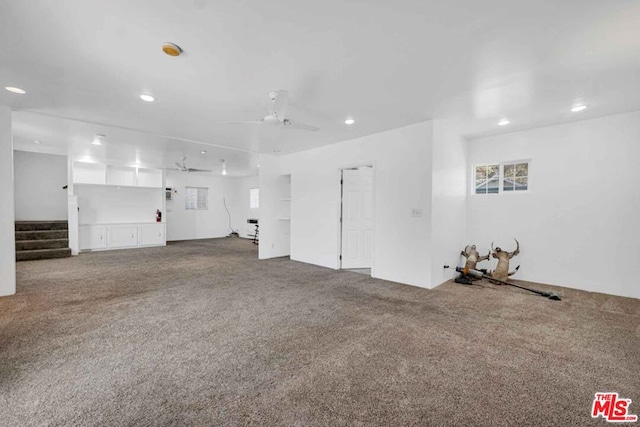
[
  {"x": 492, "y": 250},
  {"x": 464, "y": 252},
  {"x": 517, "y": 251}
]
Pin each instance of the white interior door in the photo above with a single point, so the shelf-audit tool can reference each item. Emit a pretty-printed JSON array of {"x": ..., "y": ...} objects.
[{"x": 357, "y": 217}]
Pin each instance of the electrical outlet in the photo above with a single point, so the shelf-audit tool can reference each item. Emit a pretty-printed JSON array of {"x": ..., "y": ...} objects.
[
  {"x": 273, "y": 246},
  {"x": 416, "y": 213}
]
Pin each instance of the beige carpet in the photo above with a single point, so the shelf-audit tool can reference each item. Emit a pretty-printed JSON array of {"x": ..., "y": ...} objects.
[{"x": 202, "y": 333}]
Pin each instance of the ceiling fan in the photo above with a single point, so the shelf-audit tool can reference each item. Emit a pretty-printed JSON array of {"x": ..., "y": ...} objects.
[
  {"x": 276, "y": 116},
  {"x": 182, "y": 167}
]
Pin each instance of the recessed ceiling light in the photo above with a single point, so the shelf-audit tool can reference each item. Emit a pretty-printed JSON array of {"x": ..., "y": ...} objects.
[
  {"x": 578, "y": 108},
  {"x": 147, "y": 98},
  {"x": 349, "y": 121},
  {"x": 96, "y": 142},
  {"x": 36, "y": 142},
  {"x": 503, "y": 122},
  {"x": 224, "y": 171},
  {"x": 15, "y": 90},
  {"x": 203, "y": 152}
]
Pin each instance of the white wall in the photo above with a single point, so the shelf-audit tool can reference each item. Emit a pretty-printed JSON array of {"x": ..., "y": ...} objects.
[
  {"x": 449, "y": 199},
  {"x": 578, "y": 225},
  {"x": 7, "y": 233},
  {"x": 101, "y": 204},
  {"x": 402, "y": 182},
  {"x": 73, "y": 214},
  {"x": 241, "y": 209},
  {"x": 39, "y": 179},
  {"x": 275, "y": 235},
  {"x": 185, "y": 224}
]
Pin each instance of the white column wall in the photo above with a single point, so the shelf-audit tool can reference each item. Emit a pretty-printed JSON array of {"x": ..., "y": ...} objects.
[
  {"x": 7, "y": 227},
  {"x": 449, "y": 199},
  {"x": 402, "y": 184}
]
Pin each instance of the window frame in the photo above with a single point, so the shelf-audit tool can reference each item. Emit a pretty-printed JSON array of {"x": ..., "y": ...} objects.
[
  {"x": 196, "y": 202},
  {"x": 251, "y": 199},
  {"x": 501, "y": 166}
]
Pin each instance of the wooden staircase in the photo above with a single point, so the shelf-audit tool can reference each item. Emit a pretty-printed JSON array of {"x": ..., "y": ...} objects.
[{"x": 42, "y": 240}]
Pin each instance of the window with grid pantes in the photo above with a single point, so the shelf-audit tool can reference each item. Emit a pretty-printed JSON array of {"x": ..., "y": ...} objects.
[
  {"x": 254, "y": 198},
  {"x": 501, "y": 177},
  {"x": 196, "y": 198}
]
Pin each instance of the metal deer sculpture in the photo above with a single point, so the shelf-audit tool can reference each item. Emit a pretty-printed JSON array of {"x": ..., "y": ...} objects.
[
  {"x": 473, "y": 257},
  {"x": 502, "y": 269}
]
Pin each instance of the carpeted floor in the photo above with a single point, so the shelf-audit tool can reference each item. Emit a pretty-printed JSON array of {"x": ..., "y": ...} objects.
[{"x": 202, "y": 333}]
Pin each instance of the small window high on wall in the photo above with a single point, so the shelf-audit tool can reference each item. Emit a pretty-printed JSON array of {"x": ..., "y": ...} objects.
[
  {"x": 196, "y": 198},
  {"x": 515, "y": 176},
  {"x": 254, "y": 198},
  {"x": 487, "y": 179},
  {"x": 501, "y": 177}
]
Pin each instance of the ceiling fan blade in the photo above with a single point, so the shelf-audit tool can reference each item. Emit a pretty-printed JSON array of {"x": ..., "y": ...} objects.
[
  {"x": 179, "y": 166},
  {"x": 279, "y": 105},
  {"x": 197, "y": 170},
  {"x": 244, "y": 122},
  {"x": 299, "y": 126}
]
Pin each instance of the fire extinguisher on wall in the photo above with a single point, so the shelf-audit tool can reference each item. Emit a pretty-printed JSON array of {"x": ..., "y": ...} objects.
[{"x": 158, "y": 215}]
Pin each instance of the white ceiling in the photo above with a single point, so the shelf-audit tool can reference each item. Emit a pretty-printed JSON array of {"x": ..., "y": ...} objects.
[{"x": 386, "y": 64}]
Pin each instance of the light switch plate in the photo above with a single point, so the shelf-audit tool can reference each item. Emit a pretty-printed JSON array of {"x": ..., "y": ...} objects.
[{"x": 416, "y": 213}]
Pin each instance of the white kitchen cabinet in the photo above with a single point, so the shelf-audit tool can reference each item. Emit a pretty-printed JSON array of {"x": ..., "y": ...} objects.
[
  {"x": 92, "y": 237},
  {"x": 123, "y": 236},
  {"x": 151, "y": 234}
]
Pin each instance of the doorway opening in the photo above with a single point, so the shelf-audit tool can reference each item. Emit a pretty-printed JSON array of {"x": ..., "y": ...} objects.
[{"x": 357, "y": 220}]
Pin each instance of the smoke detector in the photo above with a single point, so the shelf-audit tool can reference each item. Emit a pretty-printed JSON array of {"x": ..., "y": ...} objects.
[{"x": 171, "y": 49}]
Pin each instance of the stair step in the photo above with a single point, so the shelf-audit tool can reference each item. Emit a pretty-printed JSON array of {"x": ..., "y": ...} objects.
[
  {"x": 42, "y": 254},
  {"x": 30, "y": 245},
  {"x": 41, "y": 225},
  {"x": 41, "y": 235}
]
